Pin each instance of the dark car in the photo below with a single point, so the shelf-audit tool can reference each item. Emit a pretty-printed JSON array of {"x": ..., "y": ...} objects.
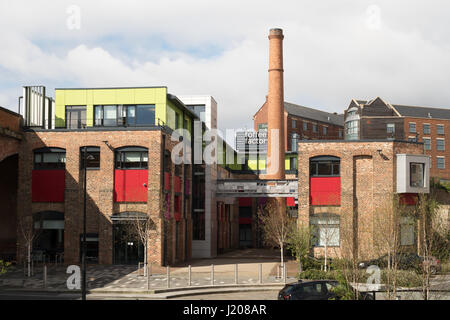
[
  {"x": 405, "y": 261},
  {"x": 313, "y": 290}
]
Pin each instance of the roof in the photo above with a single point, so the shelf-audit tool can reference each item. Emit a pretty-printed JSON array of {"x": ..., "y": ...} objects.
[
  {"x": 314, "y": 114},
  {"x": 422, "y": 112}
]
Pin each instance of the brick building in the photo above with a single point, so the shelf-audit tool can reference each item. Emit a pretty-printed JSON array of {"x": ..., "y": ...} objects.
[
  {"x": 378, "y": 119},
  {"x": 127, "y": 135},
  {"x": 345, "y": 187},
  {"x": 303, "y": 123},
  {"x": 10, "y": 140}
]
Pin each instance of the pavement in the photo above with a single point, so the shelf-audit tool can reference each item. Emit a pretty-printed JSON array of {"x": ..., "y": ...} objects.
[{"x": 126, "y": 279}]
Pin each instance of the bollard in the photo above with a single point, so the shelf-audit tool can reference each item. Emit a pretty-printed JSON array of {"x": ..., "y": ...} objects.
[
  {"x": 236, "y": 273},
  {"x": 212, "y": 274},
  {"x": 139, "y": 268},
  {"x": 278, "y": 272},
  {"x": 260, "y": 273},
  {"x": 284, "y": 272},
  {"x": 45, "y": 276},
  {"x": 189, "y": 275},
  {"x": 150, "y": 269},
  {"x": 168, "y": 277}
]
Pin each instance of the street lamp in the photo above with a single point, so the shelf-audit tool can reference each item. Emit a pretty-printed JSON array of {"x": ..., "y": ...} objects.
[{"x": 83, "y": 255}]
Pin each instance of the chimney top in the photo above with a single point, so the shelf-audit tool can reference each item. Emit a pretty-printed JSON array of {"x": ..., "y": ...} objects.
[{"x": 276, "y": 32}]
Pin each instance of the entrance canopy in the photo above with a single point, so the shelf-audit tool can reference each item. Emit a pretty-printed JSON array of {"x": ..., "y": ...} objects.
[{"x": 129, "y": 215}]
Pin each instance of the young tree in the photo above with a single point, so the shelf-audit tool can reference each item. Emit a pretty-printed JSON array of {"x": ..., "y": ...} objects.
[
  {"x": 299, "y": 242},
  {"x": 276, "y": 224},
  {"x": 29, "y": 235},
  {"x": 143, "y": 228}
]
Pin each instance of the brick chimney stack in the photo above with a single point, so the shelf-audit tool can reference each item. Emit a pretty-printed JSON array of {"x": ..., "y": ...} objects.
[{"x": 275, "y": 99}]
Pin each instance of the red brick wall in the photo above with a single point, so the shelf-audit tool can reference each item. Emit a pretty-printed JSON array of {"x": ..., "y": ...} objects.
[
  {"x": 434, "y": 171},
  {"x": 100, "y": 188}
]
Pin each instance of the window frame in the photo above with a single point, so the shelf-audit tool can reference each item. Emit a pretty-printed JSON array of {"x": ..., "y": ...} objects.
[
  {"x": 437, "y": 144},
  {"x": 66, "y": 111},
  {"x": 409, "y": 127},
  {"x": 411, "y": 164},
  {"x": 440, "y": 126},
  {"x": 331, "y": 160},
  {"x": 437, "y": 162},
  {"x": 123, "y": 151},
  {"x": 49, "y": 150},
  {"x": 333, "y": 221},
  {"x": 123, "y": 121},
  {"x": 427, "y": 144},
  {"x": 428, "y": 130}
]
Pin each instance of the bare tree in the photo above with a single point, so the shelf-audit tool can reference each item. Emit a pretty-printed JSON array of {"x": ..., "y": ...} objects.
[
  {"x": 29, "y": 235},
  {"x": 277, "y": 225}
]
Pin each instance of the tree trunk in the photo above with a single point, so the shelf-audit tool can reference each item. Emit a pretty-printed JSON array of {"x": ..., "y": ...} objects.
[
  {"x": 326, "y": 251},
  {"x": 282, "y": 258},
  {"x": 145, "y": 258},
  {"x": 29, "y": 259}
]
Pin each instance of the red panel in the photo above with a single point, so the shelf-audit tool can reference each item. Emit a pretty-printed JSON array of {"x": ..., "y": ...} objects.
[
  {"x": 290, "y": 202},
  {"x": 245, "y": 220},
  {"x": 245, "y": 202},
  {"x": 167, "y": 181},
  {"x": 177, "y": 184},
  {"x": 325, "y": 191},
  {"x": 408, "y": 198},
  {"x": 48, "y": 185},
  {"x": 129, "y": 185}
]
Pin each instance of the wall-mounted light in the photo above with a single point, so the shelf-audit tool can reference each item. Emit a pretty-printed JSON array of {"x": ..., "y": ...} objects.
[
  {"x": 108, "y": 145},
  {"x": 382, "y": 155}
]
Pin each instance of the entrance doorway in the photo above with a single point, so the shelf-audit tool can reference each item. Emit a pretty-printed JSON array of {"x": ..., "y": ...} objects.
[{"x": 127, "y": 247}]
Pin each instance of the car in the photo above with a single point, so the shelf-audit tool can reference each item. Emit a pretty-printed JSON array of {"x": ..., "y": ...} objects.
[
  {"x": 405, "y": 261},
  {"x": 313, "y": 290}
]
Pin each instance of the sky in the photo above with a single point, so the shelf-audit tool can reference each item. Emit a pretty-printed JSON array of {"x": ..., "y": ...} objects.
[{"x": 333, "y": 50}]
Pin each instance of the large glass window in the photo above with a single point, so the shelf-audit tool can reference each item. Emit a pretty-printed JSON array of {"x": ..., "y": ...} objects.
[
  {"x": 293, "y": 163},
  {"x": 325, "y": 230},
  {"x": 352, "y": 129},
  {"x": 199, "y": 110},
  {"x": 416, "y": 174},
  {"x": 75, "y": 117},
  {"x": 49, "y": 158},
  {"x": 294, "y": 142},
  {"x": 92, "y": 157},
  {"x": 132, "y": 158},
  {"x": 324, "y": 166},
  {"x": 124, "y": 115}
]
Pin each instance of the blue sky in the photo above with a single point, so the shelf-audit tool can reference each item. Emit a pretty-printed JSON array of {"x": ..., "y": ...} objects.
[{"x": 334, "y": 50}]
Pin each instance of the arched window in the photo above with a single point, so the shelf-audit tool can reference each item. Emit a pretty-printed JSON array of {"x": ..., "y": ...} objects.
[
  {"x": 131, "y": 158},
  {"x": 49, "y": 158},
  {"x": 324, "y": 166}
]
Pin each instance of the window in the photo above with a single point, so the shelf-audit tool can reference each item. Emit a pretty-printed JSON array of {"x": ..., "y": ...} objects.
[
  {"x": 262, "y": 126},
  {"x": 351, "y": 129},
  {"x": 440, "y": 129},
  {"x": 324, "y": 166},
  {"x": 305, "y": 125},
  {"x": 92, "y": 157},
  {"x": 427, "y": 143},
  {"x": 132, "y": 158},
  {"x": 199, "y": 110},
  {"x": 406, "y": 231},
  {"x": 325, "y": 130},
  {"x": 294, "y": 141},
  {"x": 75, "y": 117},
  {"x": 412, "y": 139},
  {"x": 416, "y": 174},
  {"x": 325, "y": 230},
  {"x": 314, "y": 127},
  {"x": 294, "y": 124},
  {"x": 49, "y": 159},
  {"x": 440, "y": 161},
  {"x": 293, "y": 163},
  {"x": 124, "y": 115},
  {"x": 440, "y": 144},
  {"x": 340, "y": 133},
  {"x": 426, "y": 128},
  {"x": 412, "y": 127},
  {"x": 390, "y": 128},
  {"x": 177, "y": 120}
]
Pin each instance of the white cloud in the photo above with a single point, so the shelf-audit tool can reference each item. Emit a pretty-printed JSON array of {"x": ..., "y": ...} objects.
[{"x": 331, "y": 53}]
